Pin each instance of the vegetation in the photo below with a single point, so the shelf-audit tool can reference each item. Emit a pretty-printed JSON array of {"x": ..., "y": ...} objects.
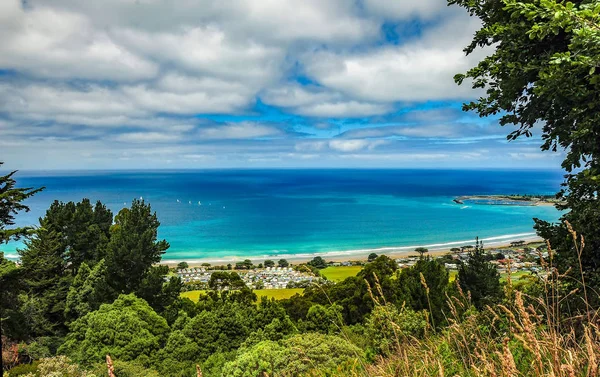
[
  {"x": 339, "y": 273},
  {"x": 90, "y": 284},
  {"x": 480, "y": 278},
  {"x": 277, "y": 294},
  {"x": 543, "y": 71}
]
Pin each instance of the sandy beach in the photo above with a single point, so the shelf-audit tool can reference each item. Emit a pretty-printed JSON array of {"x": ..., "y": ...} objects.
[{"x": 362, "y": 254}]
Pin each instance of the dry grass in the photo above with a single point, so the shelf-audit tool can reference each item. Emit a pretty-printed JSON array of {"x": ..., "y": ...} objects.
[{"x": 523, "y": 336}]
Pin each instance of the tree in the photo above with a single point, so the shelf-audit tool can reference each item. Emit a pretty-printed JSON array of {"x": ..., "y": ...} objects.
[
  {"x": 283, "y": 263},
  {"x": 423, "y": 287},
  {"x": 318, "y": 262},
  {"x": 10, "y": 318},
  {"x": 421, "y": 251},
  {"x": 11, "y": 203},
  {"x": 325, "y": 319},
  {"x": 87, "y": 292},
  {"x": 182, "y": 265},
  {"x": 128, "y": 329},
  {"x": 133, "y": 248},
  {"x": 158, "y": 289},
  {"x": 295, "y": 356},
  {"x": 220, "y": 280},
  {"x": 222, "y": 328},
  {"x": 246, "y": 264},
  {"x": 371, "y": 257},
  {"x": 269, "y": 263},
  {"x": 46, "y": 280},
  {"x": 83, "y": 229},
  {"x": 480, "y": 278},
  {"x": 542, "y": 70}
]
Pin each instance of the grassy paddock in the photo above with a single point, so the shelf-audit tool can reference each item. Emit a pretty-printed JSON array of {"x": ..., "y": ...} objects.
[
  {"x": 277, "y": 294},
  {"x": 339, "y": 273}
]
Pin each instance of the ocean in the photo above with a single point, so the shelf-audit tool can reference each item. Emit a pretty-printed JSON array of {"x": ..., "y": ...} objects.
[{"x": 223, "y": 215}]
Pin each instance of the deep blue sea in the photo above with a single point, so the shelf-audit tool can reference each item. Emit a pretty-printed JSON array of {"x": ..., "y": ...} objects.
[{"x": 225, "y": 214}]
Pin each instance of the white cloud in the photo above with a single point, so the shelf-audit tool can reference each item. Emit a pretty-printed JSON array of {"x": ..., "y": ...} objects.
[
  {"x": 317, "y": 102},
  {"x": 50, "y": 43},
  {"x": 417, "y": 71},
  {"x": 271, "y": 20},
  {"x": 148, "y": 137},
  {"x": 421, "y": 131},
  {"x": 244, "y": 130},
  {"x": 354, "y": 145}
]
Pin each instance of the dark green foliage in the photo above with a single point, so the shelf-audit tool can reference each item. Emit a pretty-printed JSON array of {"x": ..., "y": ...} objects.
[
  {"x": 11, "y": 203},
  {"x": 159, "y": 293},
  {"x": 269, "y": 263},
  {"x": 324, "y": 319},
  {"x": 421, "y": 251},
  {"x": 221, "y": 329},
  {"x": 83, "y": 228},
  {"x": 128, "y": 329},
  {"x": 372, "y": 257},
  {"x": 11, "y": 319},
  {"x": 480, "y": 278},
  {"x": 318, "y": 262},
  {"x": 88, "y": 291},
  {"x": 220, "y": 280},
  {"x": 133, "y": 247},
  {"x": 246, "y": 264},
  {"x": 182, "y": 265},
  {"x": 47, "y": 280},
  {"x": 423, "y": 287},
  {"x": 283, "y": 263},
  {"x": 544, "y": 71},
  {"x": 387, "y": 326},
  {"x": 352, "y": 294}
]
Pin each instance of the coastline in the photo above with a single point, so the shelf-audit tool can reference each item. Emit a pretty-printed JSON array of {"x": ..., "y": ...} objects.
[
  {"x": 361, "y": 254},
  {"x": 516, "y": 200}
]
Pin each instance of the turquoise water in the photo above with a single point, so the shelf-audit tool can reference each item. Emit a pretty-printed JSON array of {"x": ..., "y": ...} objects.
[{"x": 226, "y": 214}]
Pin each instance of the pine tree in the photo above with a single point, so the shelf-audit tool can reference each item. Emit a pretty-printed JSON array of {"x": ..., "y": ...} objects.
[
  {"x": 46, "y": 279},
  {"x": 133, "y": 247},
  {"x": 88, "y": 291},
  {"x": 11, "y": 203},
  {"x": 480, "y": 278}
]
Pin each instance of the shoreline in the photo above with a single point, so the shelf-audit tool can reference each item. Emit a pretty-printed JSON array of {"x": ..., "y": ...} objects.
[
  {"x": 360, "y": 254},
  {"x": 514, "y": 200}
]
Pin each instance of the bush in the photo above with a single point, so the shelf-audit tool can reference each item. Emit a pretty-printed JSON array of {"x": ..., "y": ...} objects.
[
  {"x": 387, "y": 327},
  {"x": 23, "y": 369},
  {"x": 298, "y": 355}
]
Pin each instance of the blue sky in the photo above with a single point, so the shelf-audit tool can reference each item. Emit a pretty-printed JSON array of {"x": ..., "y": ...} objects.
[{"x": 215, "y": 84}]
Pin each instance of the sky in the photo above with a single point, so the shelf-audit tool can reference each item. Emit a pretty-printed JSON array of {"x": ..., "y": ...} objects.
[{"x": 129, "y": 84}]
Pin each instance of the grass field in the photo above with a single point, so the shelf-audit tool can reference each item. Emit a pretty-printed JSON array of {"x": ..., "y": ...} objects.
[
  {"x": 277, "y": 294},
  {"x": 339, "y": 273},
  {"x": 514, "y": 276}
]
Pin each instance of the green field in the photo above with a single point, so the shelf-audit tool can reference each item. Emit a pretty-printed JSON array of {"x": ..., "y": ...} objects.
[
  {"x": 452, "y": 275},
  {"x": 514, "y": 276},
  {"x": 277, "y": 294},
  {"x": 339, "y": 273}
]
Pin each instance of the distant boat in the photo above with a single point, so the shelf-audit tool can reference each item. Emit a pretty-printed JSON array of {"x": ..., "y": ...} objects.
[
  {"x": 190, "y": 202},
  {"x": 141, "y": 198},
  {"x": 199, "y": 203},
  {"x": 178, "y": 201}
]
